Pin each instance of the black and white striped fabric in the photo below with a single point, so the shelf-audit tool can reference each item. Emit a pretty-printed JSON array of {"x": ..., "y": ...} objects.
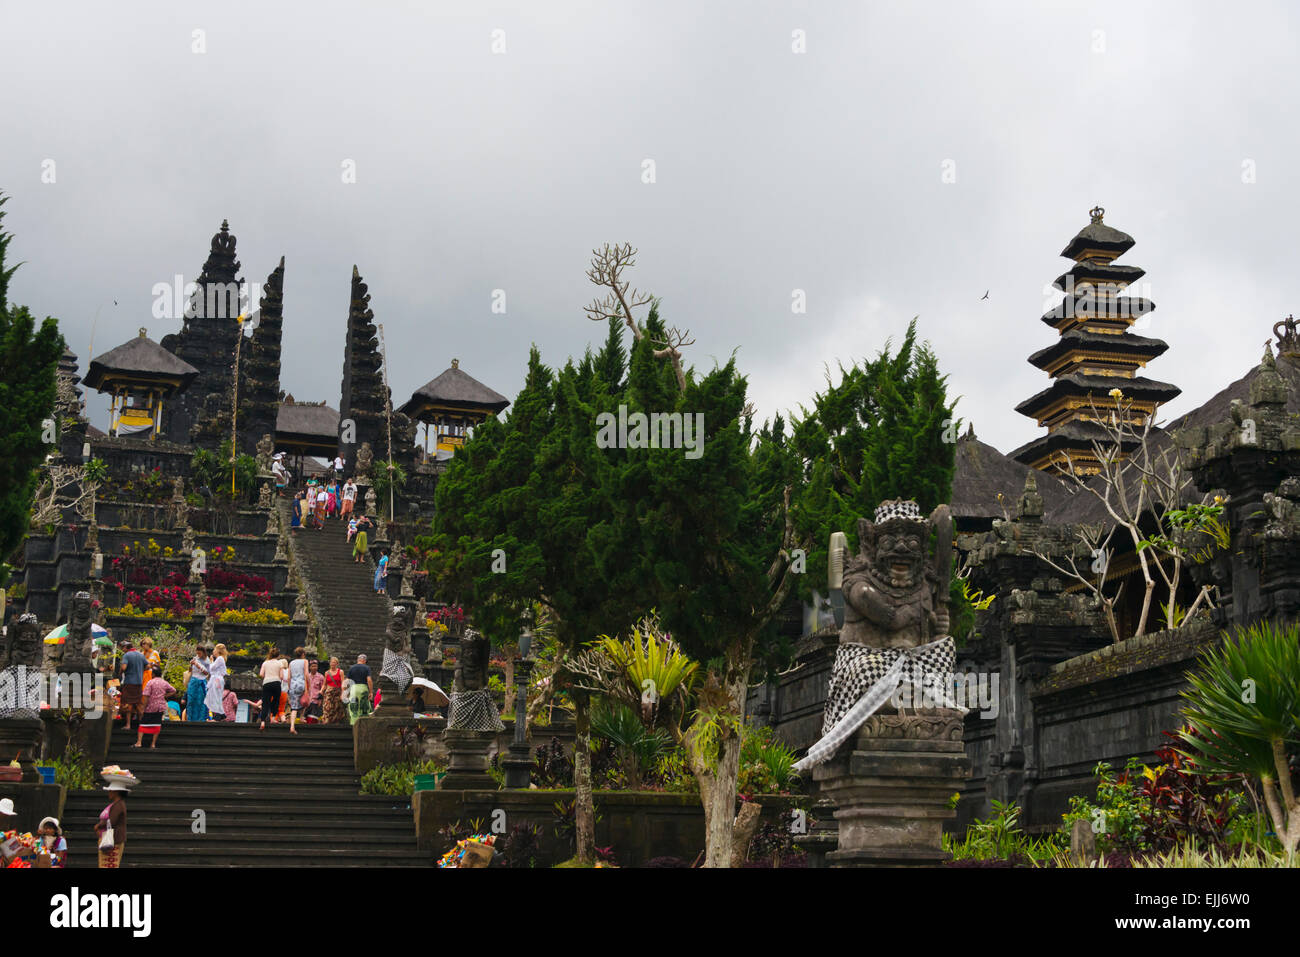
[
  {"x": 863, "y": 678},
  {"x": 398, "y": 668},
  {"x": 473, "y": 711}
]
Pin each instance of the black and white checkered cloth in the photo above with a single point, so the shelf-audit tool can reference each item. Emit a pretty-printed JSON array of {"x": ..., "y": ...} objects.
[
  {"x": 398, "y": 668},
  {"x": 863, "y": 678},
  {"x": 20, "y": 692},
  {"x": 473, "y": 711}
]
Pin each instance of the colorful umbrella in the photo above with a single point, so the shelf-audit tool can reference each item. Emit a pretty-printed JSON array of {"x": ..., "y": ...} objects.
[{"x": 59, "y": 635}]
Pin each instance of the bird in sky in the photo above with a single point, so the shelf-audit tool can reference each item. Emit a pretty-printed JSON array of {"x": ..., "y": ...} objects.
[{"x": 985, "y": 296}]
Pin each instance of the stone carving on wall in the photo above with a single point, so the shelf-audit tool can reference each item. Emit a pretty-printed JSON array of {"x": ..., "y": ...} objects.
[{"x": 22, "y": 644}]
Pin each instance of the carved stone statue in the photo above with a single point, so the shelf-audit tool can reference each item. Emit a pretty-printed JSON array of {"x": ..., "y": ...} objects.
[
  {"x": 889, "y": 775},
  {"x": 397, "y": 648},
  {"x": 78, "y": 646},
  {"x": 472, "y": 707},
  {"x": 372, "y": 503},
  {"x": 365, "y": 459},
  {"x": 895, "y": 592},
  {"x": 21, "y": 657},
  {"x": 398, "y": 636},
  {"x": 472, "y": 668},
  {"x": 22, "y": 645},
  {"x": 178, "y": 490},
  {"x": 265, "y": 449},
  {"x": 894, "y": 634},
  {"x": 187, "y": 544}
]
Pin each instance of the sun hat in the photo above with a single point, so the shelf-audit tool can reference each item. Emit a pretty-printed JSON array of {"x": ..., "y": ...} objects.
[
  {"x": 48, "y": 820},
  {"x": 7, "y": 807},
  {"x": 117, "y": 786}
]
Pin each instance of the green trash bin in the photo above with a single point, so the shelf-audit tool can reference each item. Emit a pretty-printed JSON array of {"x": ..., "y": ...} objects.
[{"x": 429, "y": 782}]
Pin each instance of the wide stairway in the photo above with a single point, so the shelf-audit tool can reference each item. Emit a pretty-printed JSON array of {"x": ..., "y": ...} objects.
[
  {"x": 267, "y": 798},
  {"x": 352, "y": 618}
]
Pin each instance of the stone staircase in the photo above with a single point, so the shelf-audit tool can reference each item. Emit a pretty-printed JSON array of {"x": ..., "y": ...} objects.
[
  {"x": 268, "y": 799},
  {"x": 351, "y": 617}
]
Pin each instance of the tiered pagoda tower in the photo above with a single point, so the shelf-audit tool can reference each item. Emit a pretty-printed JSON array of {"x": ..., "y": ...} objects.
[
  {"x": 363, "y": 394},
  {"x": 259, "y": 385},
  {"x": 1095, "y": 354},
  {"x": 207, "y": 342}
]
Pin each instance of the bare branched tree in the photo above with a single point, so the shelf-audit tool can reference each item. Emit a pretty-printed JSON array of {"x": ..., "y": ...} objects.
[
  {"x": 607, "y": 265},
  {"x": 670, "y": 348},
  {"x": 1143, "y": 483},
  {"x": 63, "y": 486}
]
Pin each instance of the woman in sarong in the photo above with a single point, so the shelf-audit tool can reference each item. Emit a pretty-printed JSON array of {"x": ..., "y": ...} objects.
[
  {"x": 214, "y": 699},
  {"x": 155, "y": 706},
  {"x": 335, "y": 712}
]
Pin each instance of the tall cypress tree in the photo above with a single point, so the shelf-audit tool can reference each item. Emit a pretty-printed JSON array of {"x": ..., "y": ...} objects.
[
  {"x": 29, "y": 358},
  {"x": 885, "y": 431}
]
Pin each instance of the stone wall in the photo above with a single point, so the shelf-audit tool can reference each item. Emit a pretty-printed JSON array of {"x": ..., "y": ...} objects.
[{"x": 639, "y": 825}]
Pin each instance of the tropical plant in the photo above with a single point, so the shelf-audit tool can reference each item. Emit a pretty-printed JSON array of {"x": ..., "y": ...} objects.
[
  {"x": 636, "y": 746},
  {"x": 1116, "y": 814},
  {"x": 1243, "y": 716},
  {"x": 766, "y": 764},
  {"x": 397, "y": 779},
  {"x": 1001, "y": 838},
  {"x": 74, "y": 770}
]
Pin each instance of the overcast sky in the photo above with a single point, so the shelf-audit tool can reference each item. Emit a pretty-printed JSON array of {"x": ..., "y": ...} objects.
[{"x": 775, "y": 171}]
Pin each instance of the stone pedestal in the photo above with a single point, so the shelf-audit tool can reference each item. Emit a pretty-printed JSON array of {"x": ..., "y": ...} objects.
[
  {"x": 467, "y": 769},
  {"x": 891, "y": 786},
  {"x": 21, "y": 738}
]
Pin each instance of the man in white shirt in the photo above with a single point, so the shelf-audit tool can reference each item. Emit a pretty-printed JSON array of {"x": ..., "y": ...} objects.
[
  {"x": 349, "y": 499},
  {"x": 338, "y": 466}
]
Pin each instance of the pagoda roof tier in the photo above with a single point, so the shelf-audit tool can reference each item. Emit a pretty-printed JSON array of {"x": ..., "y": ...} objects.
[
  {"x": 1097, "y": 240},
  {"x": 457, "y": 392},
  {"x": 1098, "y": 273},
  {"x": 1140, "y": 348},
  {"x": 1072, "y": 436},
  {"x": 139, "y": 360},
  {"x": 1085, "y": 308},
  {"x": 1081, "y": 385}
]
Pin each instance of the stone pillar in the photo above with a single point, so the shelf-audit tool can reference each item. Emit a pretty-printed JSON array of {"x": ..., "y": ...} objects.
[
  {"x": 891, "y": 788},
  {"x": 467, "y": 769},
  {"x": 519, "y": 762}
]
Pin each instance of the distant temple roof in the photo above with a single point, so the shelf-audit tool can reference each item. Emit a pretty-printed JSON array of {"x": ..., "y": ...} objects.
[
  {"x": 455, "y": 391},
  {"x": 307, "y": 428},
  {"x": 982, "y": 472},
  {"x": 139, "y": 360}
]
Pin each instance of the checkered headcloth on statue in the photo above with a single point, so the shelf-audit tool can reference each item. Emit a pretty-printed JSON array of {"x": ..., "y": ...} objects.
[{"x": 898, "y": 508}]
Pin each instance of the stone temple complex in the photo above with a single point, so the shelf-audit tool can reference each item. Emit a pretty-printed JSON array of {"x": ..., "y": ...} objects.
[{"x": 155, "y": 539}]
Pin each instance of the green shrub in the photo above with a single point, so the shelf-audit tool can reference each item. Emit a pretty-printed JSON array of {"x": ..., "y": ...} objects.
[
  {"x": 1001, "y": 838},
  {"x": 397, "y": 779},
  {"x": 766, "y": 764}
]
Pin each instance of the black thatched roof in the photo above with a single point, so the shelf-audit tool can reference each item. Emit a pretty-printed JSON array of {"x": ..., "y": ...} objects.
[
  {"x": 141, "y": 359},
  {"x": 1126, "y": 344},
  {"x": 981, "y": 472},
  {"x": 299, "y": 421},
  {"x": 456, "y": 390},
  {"x": 1100, "y": 237},
  {"x": 1098, "y": 273},
  {"x": 1217, "y": 408},
  {"x": 1080, "y": 384}
]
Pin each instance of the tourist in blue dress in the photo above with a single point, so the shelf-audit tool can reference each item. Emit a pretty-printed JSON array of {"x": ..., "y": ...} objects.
[
  {"x": 381, "y": 574},
  {"x": 197, "y": 689},
  {"x": 296, "y": 520}
]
